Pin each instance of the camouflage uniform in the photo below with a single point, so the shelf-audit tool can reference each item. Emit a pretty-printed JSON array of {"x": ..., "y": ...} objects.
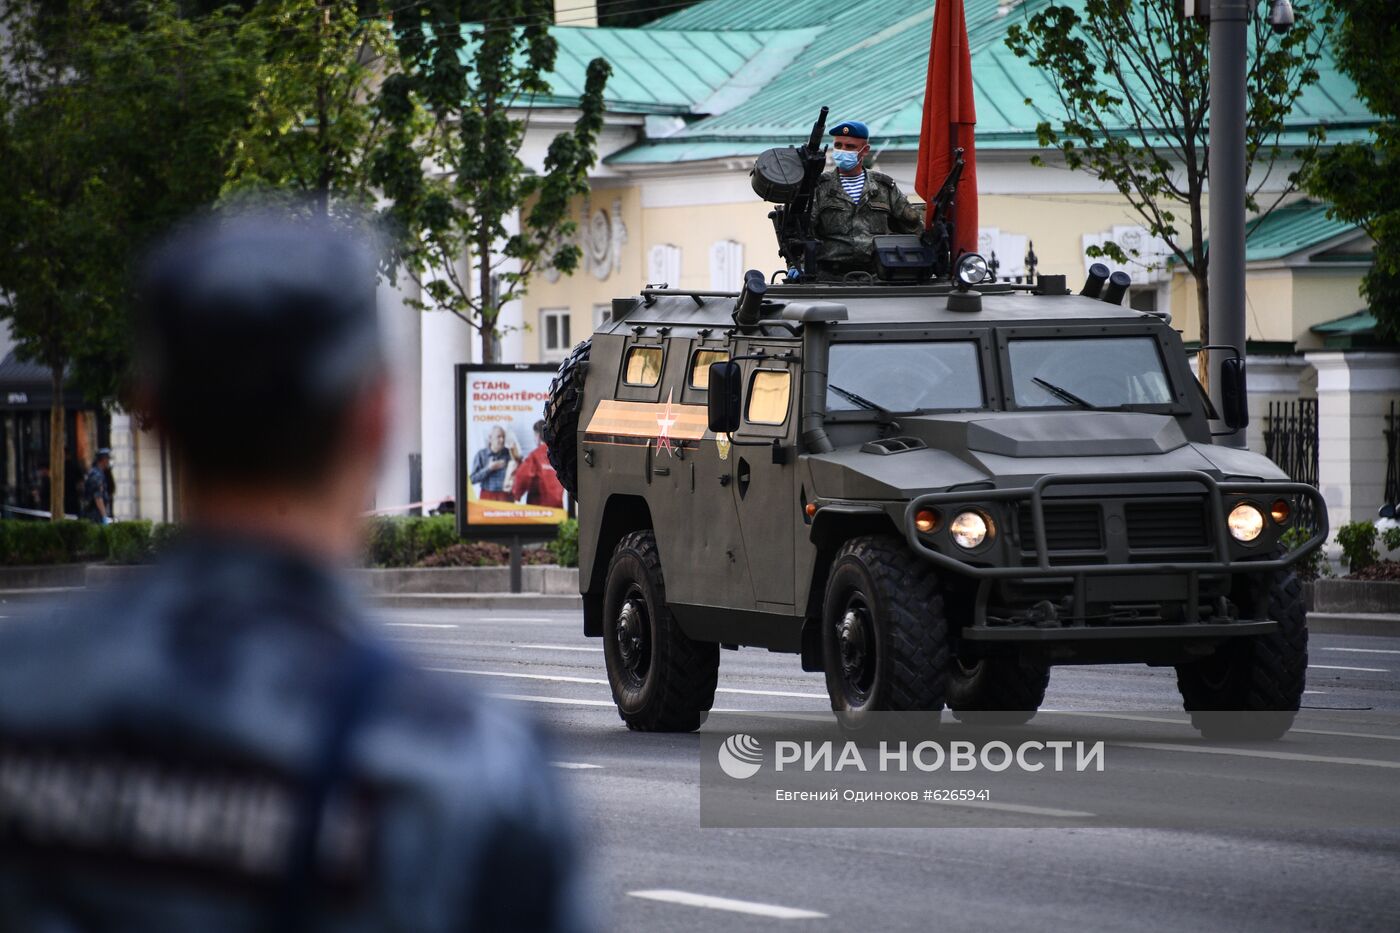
[
  {"x": 222, "y": 745},
  {"x": 846, "y": 228}
]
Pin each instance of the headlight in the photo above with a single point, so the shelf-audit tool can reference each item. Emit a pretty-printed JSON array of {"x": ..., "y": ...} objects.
[
  {"x": 968, "y": 530},
  {"x": 972, "y": 269},
  {"x": 1245, "y": 521}
]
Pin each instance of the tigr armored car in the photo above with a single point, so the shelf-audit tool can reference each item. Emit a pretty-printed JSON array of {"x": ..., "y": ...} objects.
[{"x": 931, "y": 493}]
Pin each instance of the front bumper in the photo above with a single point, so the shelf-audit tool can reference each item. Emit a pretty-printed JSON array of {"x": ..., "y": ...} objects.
[{"x": 1219, "y": 556}]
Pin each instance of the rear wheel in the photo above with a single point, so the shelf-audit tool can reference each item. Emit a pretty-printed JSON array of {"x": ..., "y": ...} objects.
[
  {"x": 1003, "y": 690},
  {"x": 661, "y": 680},
  {"x": 1261, "y": 675},
  {"x": 884, "y": 634}
]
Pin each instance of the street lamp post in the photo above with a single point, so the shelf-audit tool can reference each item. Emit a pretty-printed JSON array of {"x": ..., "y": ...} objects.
[{"x": 1229, "y": 21}]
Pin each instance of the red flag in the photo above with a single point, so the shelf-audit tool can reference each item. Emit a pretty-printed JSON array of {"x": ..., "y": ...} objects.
[{"x": 950, "y": 118}]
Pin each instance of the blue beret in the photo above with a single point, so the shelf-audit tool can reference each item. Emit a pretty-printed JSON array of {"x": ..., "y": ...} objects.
[{"x": 851, "y": 128}]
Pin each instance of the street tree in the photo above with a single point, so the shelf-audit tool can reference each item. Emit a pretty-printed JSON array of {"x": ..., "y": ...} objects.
[
  {"x": 110, "y": 130},
  {"x": 1131, "y": 81},
  {"x": 312, "y": 125},
  {"x": 468, "y": 221},
  {"x": 1358, "y": 177}
]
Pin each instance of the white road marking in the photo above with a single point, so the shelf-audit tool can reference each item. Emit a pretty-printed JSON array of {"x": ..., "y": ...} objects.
[
  {"x": 754, "y": 908},
  {"x": 559, "y": 678},
  {"x": 574, "y": 765},
  {"x": 1183, "y": 722},
  {"x": 1019, "y": 808},
  {"x": 1365, "y": 650},
  {"x": 566, "y": 701},
  {"x": 421, "y": 624},
  {"x": 1255, "y": 753},
  {"x": 560, "y": 648},
  {"x": 518, "y": 619},
  {"x": 1337, "y": 667}
]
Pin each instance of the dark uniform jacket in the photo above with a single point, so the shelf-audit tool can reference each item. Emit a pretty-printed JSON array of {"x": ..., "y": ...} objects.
[
  {"x": 847, "y": 228},
  {"x": 222, "y": 746},
  {"x": 95, "y": 488}
]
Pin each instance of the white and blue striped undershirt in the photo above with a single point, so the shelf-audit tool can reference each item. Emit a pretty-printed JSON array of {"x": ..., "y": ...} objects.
[{"x": 853, "y": 185}]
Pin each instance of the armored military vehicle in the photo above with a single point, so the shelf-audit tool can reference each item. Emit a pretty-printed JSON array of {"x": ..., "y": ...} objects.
[{"x": 931, "y": 489}]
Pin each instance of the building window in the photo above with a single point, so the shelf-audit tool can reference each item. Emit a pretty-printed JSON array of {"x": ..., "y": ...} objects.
[
  {"x": 602, "y": 314},
  {"x": 768, "y": 396},
  {"x": 1143, "y": 299},
  {"x": 643, "y": 366},
  {"x": 554, "y": 334}
]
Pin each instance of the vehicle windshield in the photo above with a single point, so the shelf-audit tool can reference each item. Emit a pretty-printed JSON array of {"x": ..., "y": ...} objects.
[
  {"x": 904, "y": 376},
  {"x": 1088, "y": 372}
]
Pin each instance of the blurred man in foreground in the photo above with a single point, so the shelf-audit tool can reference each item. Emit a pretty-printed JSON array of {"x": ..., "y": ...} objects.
[{"x": 220, "y": 744}]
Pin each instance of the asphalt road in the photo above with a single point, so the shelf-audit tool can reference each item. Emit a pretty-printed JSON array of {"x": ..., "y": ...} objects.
[{"x": 655, "y": 868}]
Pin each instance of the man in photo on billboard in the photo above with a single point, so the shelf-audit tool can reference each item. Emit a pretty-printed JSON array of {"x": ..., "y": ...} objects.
[
  {"x": 535, "y": 478},
  {"x": 490, "y": 464}
]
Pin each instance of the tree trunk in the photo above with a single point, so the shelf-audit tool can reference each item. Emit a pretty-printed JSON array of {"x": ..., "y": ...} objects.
[
  {"x": 1203, "y": 301},
  {"x": 489, "y": 312},
  {"x": 58, "y": 482}
]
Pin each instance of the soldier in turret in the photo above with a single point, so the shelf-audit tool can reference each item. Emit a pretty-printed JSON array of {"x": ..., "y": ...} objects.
[{"x": 853, "y": 205}]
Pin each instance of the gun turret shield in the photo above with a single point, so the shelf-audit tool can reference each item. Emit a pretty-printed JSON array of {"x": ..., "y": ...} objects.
[{"x": 777, "y": 174}]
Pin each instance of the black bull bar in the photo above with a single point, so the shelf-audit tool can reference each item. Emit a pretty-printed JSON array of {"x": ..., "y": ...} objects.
[{"x": 1219, "y": 535}]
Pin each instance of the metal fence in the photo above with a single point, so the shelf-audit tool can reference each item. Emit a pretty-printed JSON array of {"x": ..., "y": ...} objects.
[
  {"x": 1290, "y": 440},
  {"x": 1391, "y": 498}
]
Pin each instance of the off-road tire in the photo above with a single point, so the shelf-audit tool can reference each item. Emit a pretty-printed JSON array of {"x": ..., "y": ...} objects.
[
  {"x": 879, "y": 575},
  {"x": 676, "y": 689},
  {"x": 1004, "y": 690},
  {"x": 1263, "y": 675},
  {"x": 561, "y": 414}
]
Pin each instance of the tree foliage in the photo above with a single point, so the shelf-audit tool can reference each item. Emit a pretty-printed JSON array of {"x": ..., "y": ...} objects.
[
  {"x": 110, "y": 130},
  {"x": 1131, "y": 79},
  {"x": 1358, "y": 178},
  {"x": 450, "y": 163},
  {"x": 312, "y": 125}
]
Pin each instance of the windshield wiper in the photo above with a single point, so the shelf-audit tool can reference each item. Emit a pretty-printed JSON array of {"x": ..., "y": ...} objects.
[
  {"x": 886, "y": 416},
  {"x": 1063, "y": 394}
]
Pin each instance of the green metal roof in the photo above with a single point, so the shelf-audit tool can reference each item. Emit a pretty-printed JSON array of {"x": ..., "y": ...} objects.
[
  {"x": 671, "y": 70},
  {"x": 1293, "y": 228},
  {"x": 867, "y": 59},
  {"x": 1355, "y": 331}
]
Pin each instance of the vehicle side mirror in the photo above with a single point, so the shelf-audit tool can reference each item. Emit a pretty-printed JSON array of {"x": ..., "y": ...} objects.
[
  {"x": 1234, "y": 398},
  {"x": 726, "y": 391}
]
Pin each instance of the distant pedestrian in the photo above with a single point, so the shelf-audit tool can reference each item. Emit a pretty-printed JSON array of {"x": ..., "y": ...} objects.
[{"x": 97, "y": 494}]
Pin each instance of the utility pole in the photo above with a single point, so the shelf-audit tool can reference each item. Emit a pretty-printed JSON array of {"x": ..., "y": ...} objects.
[
  {"x": 1229, "y": 31},
  {"x": 1229, "y": 21}
]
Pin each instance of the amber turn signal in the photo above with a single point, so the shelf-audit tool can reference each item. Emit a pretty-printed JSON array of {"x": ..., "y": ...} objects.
[
  {"x": 810, "y": 509},
  {"x": 1280, "y": 511},
  {"x": 927, "y": 521}
]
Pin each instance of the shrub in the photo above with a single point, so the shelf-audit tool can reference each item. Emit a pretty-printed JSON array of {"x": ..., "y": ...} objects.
[
  {"x": 1391, "y": 538},
  {"x": 403, "y": 541},
  {"x": 82, "y": 541},
  {"x": 565, "y": 543},
  {"x": 129, "y": 542},
  {"x": 163, "y": 536},
  {"x": 1358, "y": 541},
  {"x": 1312, "y": 566},
  {"x": 32, "y": 543}
]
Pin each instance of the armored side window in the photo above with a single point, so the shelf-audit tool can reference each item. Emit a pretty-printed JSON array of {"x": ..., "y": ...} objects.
[
  {"x": 700, "y": 366},
  {"x": 643, "y": 366},
  {"x": 768, "y": 396}
]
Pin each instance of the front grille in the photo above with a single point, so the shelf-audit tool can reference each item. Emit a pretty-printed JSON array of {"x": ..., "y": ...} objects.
[
  {"x": 1174, "y": 523},
  {"x": 1076, "y": 527}
]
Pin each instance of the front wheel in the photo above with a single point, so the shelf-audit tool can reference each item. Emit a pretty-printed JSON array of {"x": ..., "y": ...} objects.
[
  {"x": 884, "y": 634},
  {"x": 1258, "y": 678},
  {"x": 661, "y": 680},
  {"x": 1002, "y": 690}
]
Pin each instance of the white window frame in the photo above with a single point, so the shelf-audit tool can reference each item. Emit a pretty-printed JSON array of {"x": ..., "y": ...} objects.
[{"x": 561, "y": 347}]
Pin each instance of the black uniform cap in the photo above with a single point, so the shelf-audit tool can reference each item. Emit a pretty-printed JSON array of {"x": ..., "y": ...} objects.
[{"x": 256, "y": 332}]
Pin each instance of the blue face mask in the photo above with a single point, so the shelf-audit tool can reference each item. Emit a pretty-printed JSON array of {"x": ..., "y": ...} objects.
[{"x": 845, "y": 159}]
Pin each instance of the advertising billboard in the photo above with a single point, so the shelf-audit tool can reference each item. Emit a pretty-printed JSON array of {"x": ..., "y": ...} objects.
[{"x": 505, "y": 484}]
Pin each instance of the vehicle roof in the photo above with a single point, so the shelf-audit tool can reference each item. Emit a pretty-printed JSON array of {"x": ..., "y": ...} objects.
[{"x": 878, "y": 304}]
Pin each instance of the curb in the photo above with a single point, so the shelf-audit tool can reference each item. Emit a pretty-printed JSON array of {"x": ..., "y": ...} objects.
[{"x": 1384, "y": 624}]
